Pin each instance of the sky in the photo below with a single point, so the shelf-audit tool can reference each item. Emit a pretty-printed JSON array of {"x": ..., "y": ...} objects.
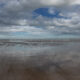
[{"x": 32, "y": 19}]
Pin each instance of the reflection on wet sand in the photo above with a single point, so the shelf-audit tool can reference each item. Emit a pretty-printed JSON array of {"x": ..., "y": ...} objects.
[{"x": 40, "y": 60}]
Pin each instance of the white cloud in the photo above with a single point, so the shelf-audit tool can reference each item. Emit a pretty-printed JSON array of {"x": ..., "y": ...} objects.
[
  {"x": 75, "y": 2},
  {"x": 51, "y": 11},
  {"x": 28, "y": 29},
  {"x": 21, "y": 5}
]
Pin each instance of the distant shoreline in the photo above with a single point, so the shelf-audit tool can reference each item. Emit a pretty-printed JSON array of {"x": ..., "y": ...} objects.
[{"x": 41, "y": 40}]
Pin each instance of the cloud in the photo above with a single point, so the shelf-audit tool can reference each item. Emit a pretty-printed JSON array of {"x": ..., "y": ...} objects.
[
  {"x": 69, "y": 23},
  {"x": 28, "y": 29},
  {"x": 14, "y": 10},
  {"x": 51, "y": 11},
  {"x": 19, "y": 16},
  {"x": 42, "y": 25}
]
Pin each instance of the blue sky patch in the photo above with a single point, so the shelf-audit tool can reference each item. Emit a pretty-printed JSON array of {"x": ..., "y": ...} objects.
[{"x": 44, "y": 12}]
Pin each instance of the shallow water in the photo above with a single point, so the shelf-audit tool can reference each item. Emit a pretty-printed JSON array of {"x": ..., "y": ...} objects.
[{"x": 60, "y": 59}]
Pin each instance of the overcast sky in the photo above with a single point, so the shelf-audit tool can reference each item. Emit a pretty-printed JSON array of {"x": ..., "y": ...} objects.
[{"x": 39, "y": 18}]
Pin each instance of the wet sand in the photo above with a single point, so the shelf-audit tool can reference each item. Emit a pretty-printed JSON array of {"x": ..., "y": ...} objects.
[{"x": 43, "y": 61}]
